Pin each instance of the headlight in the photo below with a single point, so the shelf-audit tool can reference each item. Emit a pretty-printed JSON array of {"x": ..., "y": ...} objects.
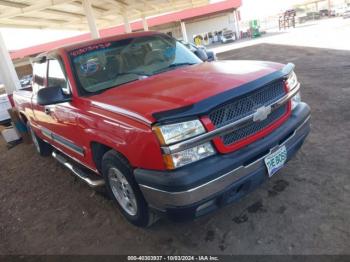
[
  {"x": 169, "y": 134},
  {"x": 189, "y": 156},
  {"x": 296, "y": 100},
  {"x": 292, "y": 81}
]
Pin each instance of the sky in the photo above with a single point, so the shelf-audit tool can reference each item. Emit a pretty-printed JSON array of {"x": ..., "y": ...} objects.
[{"x": 261, "y": 8}]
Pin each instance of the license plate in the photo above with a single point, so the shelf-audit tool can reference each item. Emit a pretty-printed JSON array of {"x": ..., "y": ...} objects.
[{"x": 275, "y": 161}]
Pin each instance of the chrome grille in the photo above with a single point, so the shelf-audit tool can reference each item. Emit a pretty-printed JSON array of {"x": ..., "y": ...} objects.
[
  {"x": 247, "y": 104},
  {"x": 254, "y": 127}
]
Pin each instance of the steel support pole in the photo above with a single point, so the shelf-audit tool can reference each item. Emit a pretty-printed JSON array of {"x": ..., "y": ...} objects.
[
  {"x": 144, "y": 23},
  {"x": 7, "y": 69},
  {"x": 127, "y": 27},
  {"x": 183, "y": 31},
  {"x": 89, "y": 13},
  {"x": 236, "y": 18}
]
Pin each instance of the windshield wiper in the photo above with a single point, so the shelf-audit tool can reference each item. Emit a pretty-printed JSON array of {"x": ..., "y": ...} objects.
[
  {"x": 180, "y": 64},
  {"x": 133, "y": 73}
]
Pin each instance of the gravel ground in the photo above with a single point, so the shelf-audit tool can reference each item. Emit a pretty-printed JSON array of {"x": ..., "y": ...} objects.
[{"x": 305, "y": 209}]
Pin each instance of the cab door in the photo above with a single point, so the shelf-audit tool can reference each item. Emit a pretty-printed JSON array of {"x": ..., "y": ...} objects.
[{"x": 61, "y": 122}]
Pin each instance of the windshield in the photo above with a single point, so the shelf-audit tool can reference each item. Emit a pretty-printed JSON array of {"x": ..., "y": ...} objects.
[{"x": 105, "y": 65}]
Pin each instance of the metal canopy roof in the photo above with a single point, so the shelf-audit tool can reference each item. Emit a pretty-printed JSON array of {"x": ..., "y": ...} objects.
[
  {"x": 69, "y": 14},
  {"x": 182, "y": 15}
]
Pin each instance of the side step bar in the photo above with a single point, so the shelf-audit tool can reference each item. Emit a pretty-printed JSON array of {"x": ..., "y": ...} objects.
[{"x": 78, "y": 172}]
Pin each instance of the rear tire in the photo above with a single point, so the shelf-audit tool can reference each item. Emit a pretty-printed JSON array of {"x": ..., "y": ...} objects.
[
  {"x": 43, "y": 148},
  {"x": 124, "y": 191}
]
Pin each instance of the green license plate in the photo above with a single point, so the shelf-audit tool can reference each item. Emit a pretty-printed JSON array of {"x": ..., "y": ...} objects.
[{"x": 276, "y": 160}]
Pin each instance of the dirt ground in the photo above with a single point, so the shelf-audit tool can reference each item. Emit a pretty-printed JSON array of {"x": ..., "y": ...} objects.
[{"x": 305, "y": 209}]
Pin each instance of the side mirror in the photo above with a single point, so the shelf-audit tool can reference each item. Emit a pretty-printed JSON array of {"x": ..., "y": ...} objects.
[
  {"x": 201, "y": 54},
  {"x": 52, "y": 95}
]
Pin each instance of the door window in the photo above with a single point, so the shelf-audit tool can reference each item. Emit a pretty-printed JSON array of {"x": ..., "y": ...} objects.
[
  {"x": 56, "y": 76},
  {"x": 39, "y": 75}
]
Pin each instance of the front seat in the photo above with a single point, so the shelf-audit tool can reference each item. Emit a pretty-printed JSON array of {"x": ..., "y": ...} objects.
[{"x": 154, "y": 56}]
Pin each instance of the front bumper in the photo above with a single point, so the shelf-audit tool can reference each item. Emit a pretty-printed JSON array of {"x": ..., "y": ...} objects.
[{"x": 203, "y": 186}]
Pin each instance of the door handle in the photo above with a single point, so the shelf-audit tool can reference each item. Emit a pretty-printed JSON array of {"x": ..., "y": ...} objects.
[{"x": 47, "y": 110}]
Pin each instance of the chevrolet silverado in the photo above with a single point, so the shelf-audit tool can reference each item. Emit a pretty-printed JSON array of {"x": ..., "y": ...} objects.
[{"x": 163, "y": 131}]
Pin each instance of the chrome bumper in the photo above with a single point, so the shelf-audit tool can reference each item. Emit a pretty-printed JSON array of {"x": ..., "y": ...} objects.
[{"x": 160, "y": 199}]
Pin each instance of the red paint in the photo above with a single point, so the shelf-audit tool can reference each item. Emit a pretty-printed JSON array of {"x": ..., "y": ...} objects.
[{"x": 128, "y": 127}]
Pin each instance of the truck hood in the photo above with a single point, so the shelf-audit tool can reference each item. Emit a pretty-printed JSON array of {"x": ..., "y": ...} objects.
[{"x": 181, "y": 87}]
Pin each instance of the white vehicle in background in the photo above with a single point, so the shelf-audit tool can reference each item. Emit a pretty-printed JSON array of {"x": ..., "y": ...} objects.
[
  {"x": 340, "y": 10},
  {"x": 227, "y": 36},
  {"x": 346, "y": 14}
]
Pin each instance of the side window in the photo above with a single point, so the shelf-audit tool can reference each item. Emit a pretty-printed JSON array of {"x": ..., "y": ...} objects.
[
  {"x": 56, "y": 76},
  {"x": 39, "y": 75}
]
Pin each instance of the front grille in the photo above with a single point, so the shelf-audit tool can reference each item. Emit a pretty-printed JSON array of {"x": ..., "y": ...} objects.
[
  {"x": 247, "y": 105},
  {"x": 254, "y": 127}
]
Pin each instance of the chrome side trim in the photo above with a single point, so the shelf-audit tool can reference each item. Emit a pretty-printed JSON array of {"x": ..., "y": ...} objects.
[
  {"x": 73, "y": 158},
  {"x": 79, "y": 173},
  {"x": 198, "y": 140},
  {"x": 162, "y": 199},
  {"x": 62, "y": 141},
  {"x": 68, "y": 145}
]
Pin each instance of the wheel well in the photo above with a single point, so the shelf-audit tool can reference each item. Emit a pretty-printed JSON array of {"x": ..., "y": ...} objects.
[{"x": 98, "y": 150}]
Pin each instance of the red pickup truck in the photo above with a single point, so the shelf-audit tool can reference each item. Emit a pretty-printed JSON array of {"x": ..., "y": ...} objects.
[{"x": 165, "y": 132}]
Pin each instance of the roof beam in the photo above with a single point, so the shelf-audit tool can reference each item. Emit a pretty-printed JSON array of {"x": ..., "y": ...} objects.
[
  {"x": 149, "y": 4},
  {"x": 120, "y": 6},
  {"x": 34, "y": 8},
  {"x": 36, "y": 19},
  {"x": 57, "y": 14},
  {"x": 63, "y": 13},
  {"x": 122, "y": 2},
  {"x": 12, "y": 4},
  {"x": 97, "y": 9}
]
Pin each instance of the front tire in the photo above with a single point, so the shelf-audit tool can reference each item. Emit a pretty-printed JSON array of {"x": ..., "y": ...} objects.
[
  {"x": 43, "y": 148},
  {"x": 124, "y": 191}
]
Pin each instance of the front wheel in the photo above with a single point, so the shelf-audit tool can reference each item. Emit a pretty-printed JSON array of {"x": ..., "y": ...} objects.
[
  {"x": 43, "y": 148},
  {"x": 124, "y": 191}
]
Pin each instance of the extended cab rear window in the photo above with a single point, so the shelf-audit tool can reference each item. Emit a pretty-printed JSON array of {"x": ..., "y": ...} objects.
[{"x": 101, "y": 66}]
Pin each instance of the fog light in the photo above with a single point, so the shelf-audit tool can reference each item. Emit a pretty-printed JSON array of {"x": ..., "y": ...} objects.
[{"x": 205, "y": 205}]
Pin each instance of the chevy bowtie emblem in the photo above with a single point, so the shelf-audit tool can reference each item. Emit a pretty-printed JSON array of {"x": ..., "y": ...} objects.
[{"x": 261, "y": 113}]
